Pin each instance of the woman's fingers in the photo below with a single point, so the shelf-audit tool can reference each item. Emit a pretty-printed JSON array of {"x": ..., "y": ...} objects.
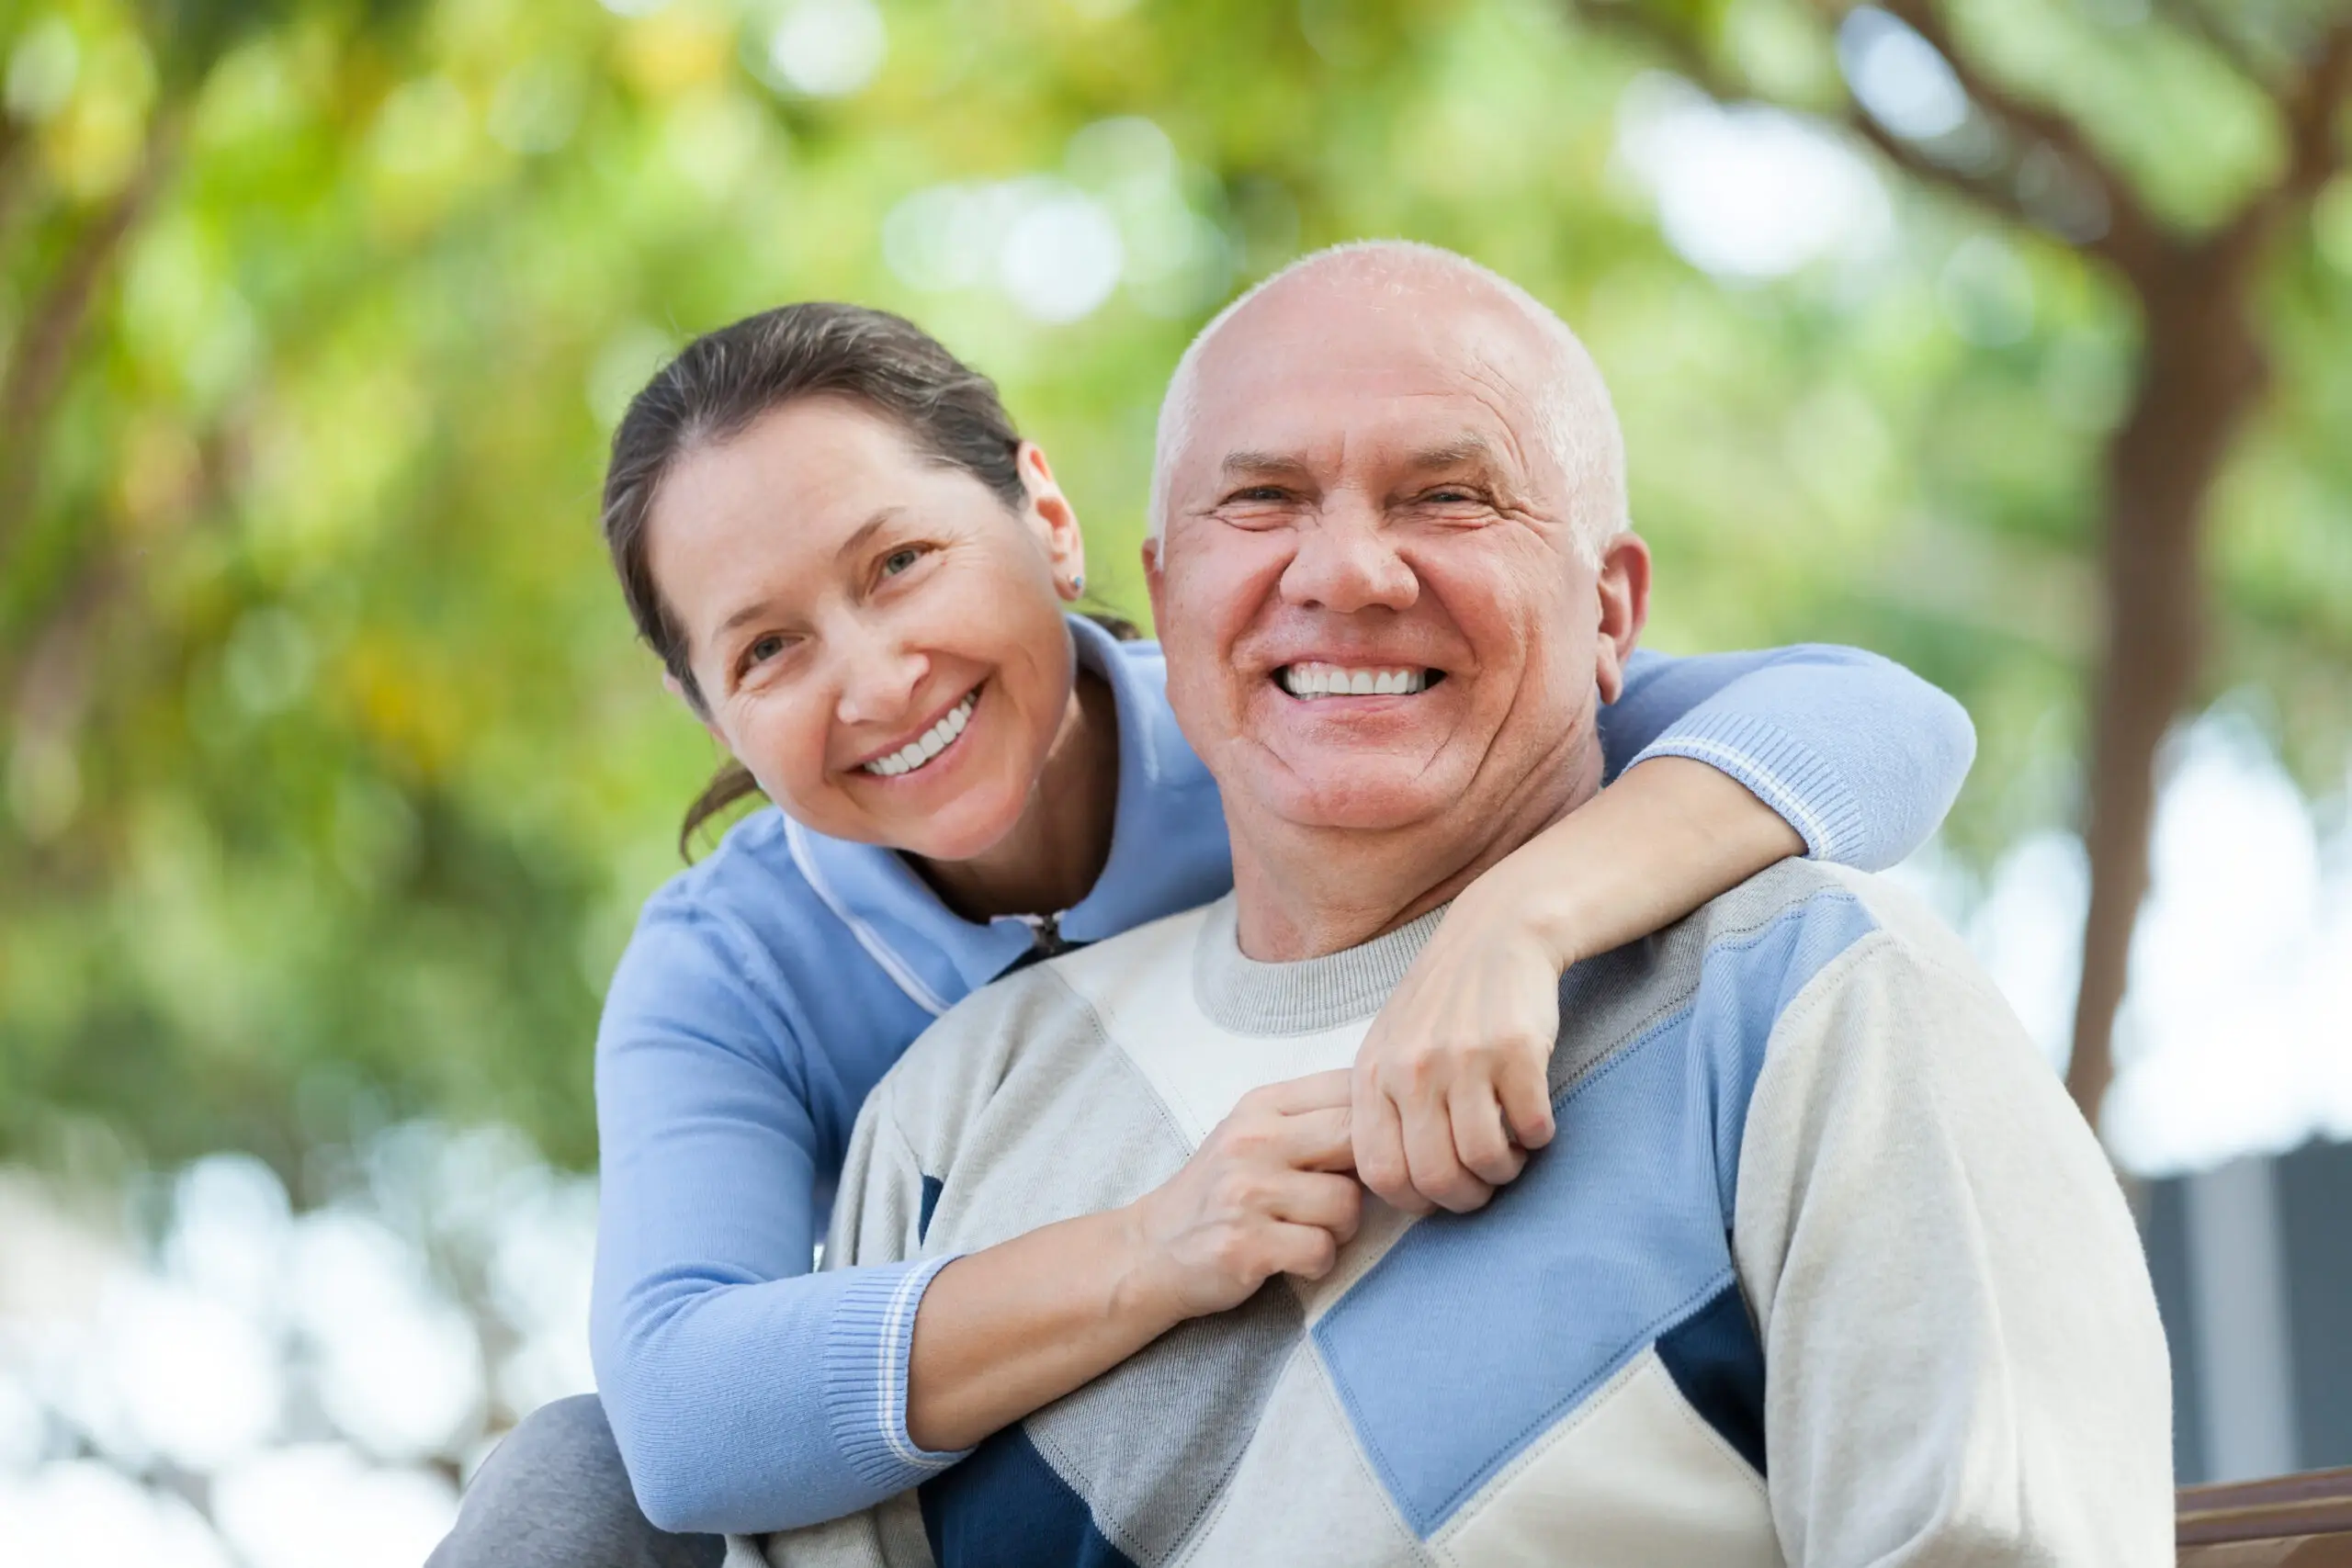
[
  {"x": 1332, "y": 1204},
  {"x": 1308, "y": 1251},
  {"x": 1480, "y": 1141},
  {"x": 1437, "y": 1169},
  {"x": 1319, "y": 1140},
  {"x": 1315, "y": 1091},
  {"x": 1525, "y": 1092},
  {"x": 1379, "y": 1132}
]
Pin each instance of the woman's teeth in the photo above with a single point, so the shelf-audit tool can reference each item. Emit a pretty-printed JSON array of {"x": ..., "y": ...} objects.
[
  {"x": 934, "y": 740},
  {"x": 1334, "y": 680}
]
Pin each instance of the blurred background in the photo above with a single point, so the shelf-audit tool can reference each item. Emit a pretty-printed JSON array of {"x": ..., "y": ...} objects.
[{"x": 2010, "y": 338}]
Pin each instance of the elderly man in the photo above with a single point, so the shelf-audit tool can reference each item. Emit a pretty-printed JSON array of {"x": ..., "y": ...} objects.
[{"x": 1822, "y": 1267}]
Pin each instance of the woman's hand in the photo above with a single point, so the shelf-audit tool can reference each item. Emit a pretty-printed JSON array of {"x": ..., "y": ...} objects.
[
  {"x": 1266, "y": 1194},
  {"x": 1449, "y": 1094},
  {"x": 1451, "y": 1084},
  {"x": 1012, "y": 1328}
]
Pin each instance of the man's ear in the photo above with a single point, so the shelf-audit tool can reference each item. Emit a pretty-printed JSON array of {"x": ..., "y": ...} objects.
[
  {"x": 1056, "y": 518},
  {"x": 672, "y": 684},
  {"x": 1154, "y": 580},
  {"x": 1623, "y": 585}
]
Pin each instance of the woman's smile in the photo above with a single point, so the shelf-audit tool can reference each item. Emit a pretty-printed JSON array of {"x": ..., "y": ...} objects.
[{"x": 935, "y": 741}]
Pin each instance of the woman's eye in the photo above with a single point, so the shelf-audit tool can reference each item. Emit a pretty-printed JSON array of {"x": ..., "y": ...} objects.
[
  {"x": 763, "y": 651},
  {"x": 898, "y": 561}
]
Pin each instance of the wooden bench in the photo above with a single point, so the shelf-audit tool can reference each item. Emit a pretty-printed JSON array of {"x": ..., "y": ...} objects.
[{"x": 2289, "y": 1521}]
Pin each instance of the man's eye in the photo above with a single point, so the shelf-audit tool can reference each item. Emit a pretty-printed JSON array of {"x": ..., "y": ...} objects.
[
  {"x": 1260, "y": 492},
  {"x": 1453, "y": 496}
]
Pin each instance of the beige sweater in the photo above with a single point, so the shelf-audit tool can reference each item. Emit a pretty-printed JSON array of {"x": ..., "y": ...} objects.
[{"x": 1823, "y": 1268}]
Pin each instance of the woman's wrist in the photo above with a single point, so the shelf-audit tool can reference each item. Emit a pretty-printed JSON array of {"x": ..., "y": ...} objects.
[
  {"x": 1144, "y": 1297},
  {"x": 1526, "y": 898},
  {"x": 1662, "y": 840},
  {"x": 1007, "y": 1329}
]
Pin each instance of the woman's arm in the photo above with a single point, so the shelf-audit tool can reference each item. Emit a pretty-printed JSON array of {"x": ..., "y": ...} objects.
[
  {"x": 1729, "y": 763},
  {"x": 742, "y": 1388},
  {"x": 748, "y": 1394},
  {"x": 1861, "y": 757}
]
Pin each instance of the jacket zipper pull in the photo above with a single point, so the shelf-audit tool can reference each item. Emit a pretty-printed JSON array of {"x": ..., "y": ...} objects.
[{"x": 1048, "y": 930}]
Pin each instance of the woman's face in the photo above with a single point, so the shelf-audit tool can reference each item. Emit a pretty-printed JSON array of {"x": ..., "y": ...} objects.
[{"x": 875, "y": 636}]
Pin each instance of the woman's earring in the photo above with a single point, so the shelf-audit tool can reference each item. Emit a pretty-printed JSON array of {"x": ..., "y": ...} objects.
[{"x": 1077, "y": 585}]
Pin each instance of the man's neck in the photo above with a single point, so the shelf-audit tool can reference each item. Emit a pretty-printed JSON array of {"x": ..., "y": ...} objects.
[
  {"x": 1302, "y": 891},
  {"x": 1053, "y": 854}
]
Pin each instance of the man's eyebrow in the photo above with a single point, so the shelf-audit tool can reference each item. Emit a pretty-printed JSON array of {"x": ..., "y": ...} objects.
[
  {"x": 1453, "y": 454},
  {"x": 1236, "y": 463}
]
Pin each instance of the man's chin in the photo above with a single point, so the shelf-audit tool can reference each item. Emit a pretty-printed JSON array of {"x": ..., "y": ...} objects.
[{"x": 1356, "y": 799}]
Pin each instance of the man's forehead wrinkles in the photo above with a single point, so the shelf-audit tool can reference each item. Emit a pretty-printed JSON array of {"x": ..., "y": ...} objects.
[{"x": 1509, "y": 406}]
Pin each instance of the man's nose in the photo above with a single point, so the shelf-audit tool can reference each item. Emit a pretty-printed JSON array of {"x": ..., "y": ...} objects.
[
  {"x": 877, "y": 671},
  {"x": 1347, "y": 562}
]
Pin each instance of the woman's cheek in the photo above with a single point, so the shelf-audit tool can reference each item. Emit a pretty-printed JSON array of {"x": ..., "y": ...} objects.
[
  {"x": 772, "y": 742},
  {"x": 801, "y": 734}
]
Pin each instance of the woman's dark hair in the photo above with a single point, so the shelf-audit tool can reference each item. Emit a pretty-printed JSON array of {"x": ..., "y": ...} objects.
[{"x": 726, "y": 379}]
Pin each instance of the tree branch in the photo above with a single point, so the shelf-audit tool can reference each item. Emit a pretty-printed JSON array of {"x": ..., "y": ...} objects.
[
  {"x": 2308, "y": 104},
  {"x": 2193, "y": 17},
  {"x": 2133, "y": 240},
  {"x": 35, "y": 371},
  {"x": 16, "y": 177},
  {"x": 2311, "y": 104},
  {"x": 1679, "y": 48},
  {"x": 1684, "y": 53},
  {"x": 1990, "y": 190}
]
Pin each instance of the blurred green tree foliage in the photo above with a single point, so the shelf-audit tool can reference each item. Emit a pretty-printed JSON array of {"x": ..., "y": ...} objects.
[{"x": 332, "y": 777}]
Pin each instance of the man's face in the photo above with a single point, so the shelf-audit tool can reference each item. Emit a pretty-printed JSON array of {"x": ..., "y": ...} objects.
[{"x": 1364, "y": 501}]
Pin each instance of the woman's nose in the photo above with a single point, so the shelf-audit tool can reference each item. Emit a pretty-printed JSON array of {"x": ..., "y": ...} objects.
[{"x": 878, "y": 676}]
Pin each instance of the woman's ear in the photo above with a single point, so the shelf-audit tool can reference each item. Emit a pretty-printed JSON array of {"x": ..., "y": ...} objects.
[
  {"x": 1623, "y": 585},
  {"x": 1056, "y": 520},
  {"x": 676, "y": 688}
]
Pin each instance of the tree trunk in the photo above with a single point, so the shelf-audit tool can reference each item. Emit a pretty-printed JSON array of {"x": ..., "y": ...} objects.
[{"x": 2202, "y": 373}]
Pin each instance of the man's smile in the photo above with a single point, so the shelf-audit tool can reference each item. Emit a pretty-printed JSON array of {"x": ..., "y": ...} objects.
[{"x": 1310, "y": 680}]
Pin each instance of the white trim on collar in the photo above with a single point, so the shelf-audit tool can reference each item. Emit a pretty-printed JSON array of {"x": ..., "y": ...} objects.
[{"x": 921, "y": 995}]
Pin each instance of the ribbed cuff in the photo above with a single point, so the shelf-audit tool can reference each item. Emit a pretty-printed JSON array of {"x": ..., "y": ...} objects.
[
  {"x": 866, "y": 1348},
  {"x": 1781, "y": 771}
]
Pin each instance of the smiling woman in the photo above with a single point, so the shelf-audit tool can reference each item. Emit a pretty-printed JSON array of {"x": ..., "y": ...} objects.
[
  {"x": 856, "y": 575},
  {"x": 890, "y": 667}
]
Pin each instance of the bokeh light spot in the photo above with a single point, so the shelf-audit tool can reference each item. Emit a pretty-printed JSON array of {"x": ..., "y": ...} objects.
[
  {"x": 828, "y": 49},
  {"x": 1898, "y": 76}
]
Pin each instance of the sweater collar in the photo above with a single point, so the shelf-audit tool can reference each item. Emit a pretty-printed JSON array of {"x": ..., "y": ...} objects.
[{"x": 1249, "y": 997}]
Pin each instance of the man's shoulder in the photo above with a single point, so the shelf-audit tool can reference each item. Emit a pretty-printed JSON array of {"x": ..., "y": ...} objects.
[
  {"x": 1830, "y": 909},
  {"x": 1809, "y": 947},
  {"x": 1725, "y": 976}
]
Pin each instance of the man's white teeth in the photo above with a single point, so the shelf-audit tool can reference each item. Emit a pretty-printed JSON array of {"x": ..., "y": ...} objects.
[
  {"x": 1335, "y": 681},
  {"x": 915, "y": 753}
]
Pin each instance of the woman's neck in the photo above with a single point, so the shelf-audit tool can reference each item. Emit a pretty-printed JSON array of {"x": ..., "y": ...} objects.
[{"x": 1053, "y": 855}]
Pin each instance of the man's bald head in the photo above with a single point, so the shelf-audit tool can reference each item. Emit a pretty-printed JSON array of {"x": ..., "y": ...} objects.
[{"x": 1566, "y": 403}]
